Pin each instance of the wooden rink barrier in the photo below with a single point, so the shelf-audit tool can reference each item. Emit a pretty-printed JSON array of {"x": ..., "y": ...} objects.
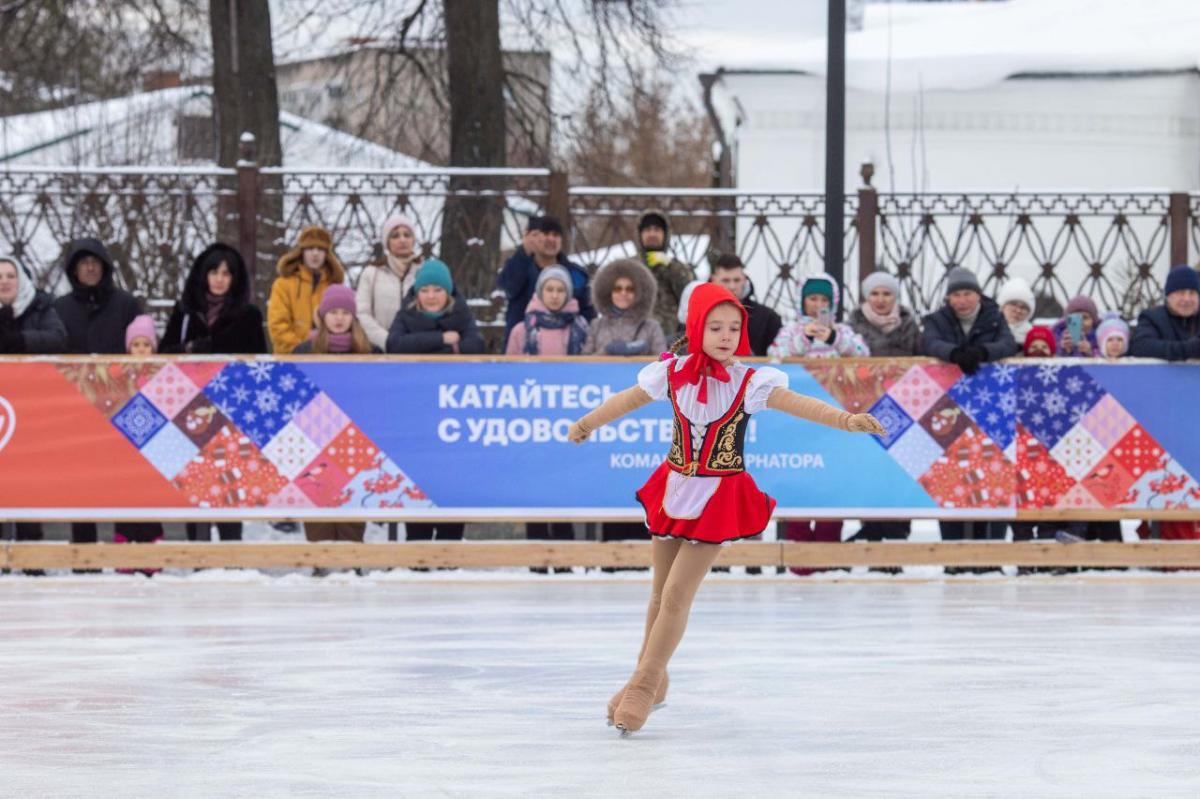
[{"x": 508, "y": 554}]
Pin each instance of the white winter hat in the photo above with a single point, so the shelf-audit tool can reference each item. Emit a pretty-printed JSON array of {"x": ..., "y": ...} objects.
[
  {"x": 1016, "y": 290},
  {"x": 684, "y": 296}
]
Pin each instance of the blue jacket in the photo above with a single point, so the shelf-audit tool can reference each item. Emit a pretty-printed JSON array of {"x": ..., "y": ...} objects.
[
  {"x": 518, "y": 278},
  {"x": 943, "y": 333},
  {"x": 1162, "y": 334}
]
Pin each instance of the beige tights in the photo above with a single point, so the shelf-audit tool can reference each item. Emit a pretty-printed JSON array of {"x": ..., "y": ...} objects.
[{"x": 674, "y": 588}]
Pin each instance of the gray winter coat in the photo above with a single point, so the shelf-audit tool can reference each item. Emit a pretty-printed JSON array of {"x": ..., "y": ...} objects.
[
  {"x": 903, "y": 342},
  {"x": 631, "y": 332}
]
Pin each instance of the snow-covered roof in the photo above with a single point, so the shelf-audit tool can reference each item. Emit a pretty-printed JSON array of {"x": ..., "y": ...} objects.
[
  {"x": 947, "y": 46},
  {"x": 141, "y": 129}
]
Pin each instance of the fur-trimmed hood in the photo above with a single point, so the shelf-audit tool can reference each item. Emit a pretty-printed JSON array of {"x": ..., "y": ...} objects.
[
  {"x": 292, "y": 260},
  {"x": 643, "y": 283}
]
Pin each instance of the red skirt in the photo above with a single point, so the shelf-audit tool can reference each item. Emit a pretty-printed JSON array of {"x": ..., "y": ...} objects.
[{"x": 737, "y": 509}]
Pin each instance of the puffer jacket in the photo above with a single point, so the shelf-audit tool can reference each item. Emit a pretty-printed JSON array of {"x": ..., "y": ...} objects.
[
  {"x": 792, "y": 341},
  {"x": 30, "y": 324},
  {"x": 415, "y": 333},
  {"x": 295, "y": 295},
  {"x": 95, "y": 316},
  {"x": 631, "y": 332},
  {"x": 903, "y": 342}
]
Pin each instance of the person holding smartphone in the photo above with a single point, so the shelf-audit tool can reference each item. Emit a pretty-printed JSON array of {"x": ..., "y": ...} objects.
[
  {"x": 1076, "y": 331},
  {"x": 815, "y": 333}
]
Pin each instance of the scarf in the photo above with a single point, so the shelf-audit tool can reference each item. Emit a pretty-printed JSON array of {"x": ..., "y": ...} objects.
[
  {"x": 886, "y": 322},
  {"x": 216, "y": 304},
  {"x": 340, "y": 342},
  {"x": 401, "y": 267},
  {"x": 699, "y": 366},
  {"x": 551, "y": 320}
]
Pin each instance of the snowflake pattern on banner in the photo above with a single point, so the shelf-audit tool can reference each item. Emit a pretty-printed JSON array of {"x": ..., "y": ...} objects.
[
  {"x": 385, "y": 485},
  {"x": 170, "y": 390},
  {"x": 893, "y": 418},
  {"x": 1052, "y": 398},
  {"x": 972, "y": 473},
  {"x": 169, "y": 450},
  {"x": 139, "y": 420},
  {"x": 260, "y": 397},
  {"x": 987, "y": 398},
  {"x": 230, "y": 472}
]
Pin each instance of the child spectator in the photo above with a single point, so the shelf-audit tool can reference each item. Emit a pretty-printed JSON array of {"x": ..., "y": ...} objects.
[
  {"x": 1112, "y": 336},
  {"x": 1039, "y": 343},
  {"x": 435, "y": 319},
  {"x": 815, "y": 334},
  {"x": 142, "y": 341},
  {"x": 552, "y": 323},
  {"x": 1089, "y": 318}
]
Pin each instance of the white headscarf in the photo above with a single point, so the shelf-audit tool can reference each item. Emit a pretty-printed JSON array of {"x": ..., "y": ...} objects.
[{"x": 26, "y": 291}]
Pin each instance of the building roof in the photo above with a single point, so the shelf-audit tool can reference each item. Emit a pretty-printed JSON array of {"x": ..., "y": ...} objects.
[
  {"x": 141, "y": 129},
  {"x": 948, "y": 46}
]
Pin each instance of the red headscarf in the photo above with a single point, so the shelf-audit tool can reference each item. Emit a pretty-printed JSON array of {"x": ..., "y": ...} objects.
[{"x": 699, "y": 365}]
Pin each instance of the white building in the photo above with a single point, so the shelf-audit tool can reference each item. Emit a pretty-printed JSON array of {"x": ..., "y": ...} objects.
[{"x": 1026, "y": 94}]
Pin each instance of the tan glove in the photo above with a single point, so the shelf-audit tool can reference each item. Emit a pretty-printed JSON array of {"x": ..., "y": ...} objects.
[
  {"x": 613, "y": 408},
  {"x": 814, "y": 410}
]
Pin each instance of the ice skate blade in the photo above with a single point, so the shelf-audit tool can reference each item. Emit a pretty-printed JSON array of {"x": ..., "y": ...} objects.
[{"x": 653, "y": 708}]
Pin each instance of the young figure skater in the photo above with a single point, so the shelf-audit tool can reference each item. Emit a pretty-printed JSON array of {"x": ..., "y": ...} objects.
[{"x": 701, "y": 496}]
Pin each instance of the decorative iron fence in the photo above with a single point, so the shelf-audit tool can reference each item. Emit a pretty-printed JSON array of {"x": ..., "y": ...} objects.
[{"x": 1116, "y": 247}]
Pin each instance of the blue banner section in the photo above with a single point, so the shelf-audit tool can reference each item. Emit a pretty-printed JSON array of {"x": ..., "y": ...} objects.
[{"x": 494, "y": 435}]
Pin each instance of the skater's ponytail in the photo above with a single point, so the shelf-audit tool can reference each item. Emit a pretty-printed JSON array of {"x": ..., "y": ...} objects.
[{"x": 677, "y": 345}]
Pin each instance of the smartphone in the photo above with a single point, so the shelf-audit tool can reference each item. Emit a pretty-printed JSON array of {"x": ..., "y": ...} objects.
[
  {"x": 1075, "y": 327},
  {"x": 825, "y": 318}
]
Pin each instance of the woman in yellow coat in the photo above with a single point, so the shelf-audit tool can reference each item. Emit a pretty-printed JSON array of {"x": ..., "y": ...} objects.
[{"x": 304, "y": 273}]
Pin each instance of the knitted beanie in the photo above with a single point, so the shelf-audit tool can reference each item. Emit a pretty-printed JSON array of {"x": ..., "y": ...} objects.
[
  {"x": 141, "y": 327},
  {"x": 1016, "y": 290},
  {"x": 337, "y": 296},
  {"x": 553, "y": 273},
  {"x": 391, "y": 223},
  {"x": 877, "y": 280},
  {"x": 817, "y": 285},
  {"x": 1082, "y": 304},
  {"x": 1040, "y": 333},
  {"x": 1182, "y": 278},
  {"x": 434, "y": 273},
  {"x": 316, "y": 237},
  {"x": 1113, "y": 325},
  {"x": 962, "y": 279}
]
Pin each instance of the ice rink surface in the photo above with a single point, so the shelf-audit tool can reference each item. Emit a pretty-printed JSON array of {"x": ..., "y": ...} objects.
[{"x": 442, "y": 684}]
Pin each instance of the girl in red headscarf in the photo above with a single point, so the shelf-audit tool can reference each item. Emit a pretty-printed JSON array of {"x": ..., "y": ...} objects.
[{"x": 701, "y": 496}]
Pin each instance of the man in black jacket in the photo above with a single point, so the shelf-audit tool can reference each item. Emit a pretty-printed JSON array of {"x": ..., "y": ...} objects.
[
  {"x": 969, "y": 330},
  {"x": 765, "y": 324},
  {"x": 95, "y": 312},
  {"x": 518, "y": 277},
  {"x": 1171, "y": 331}
]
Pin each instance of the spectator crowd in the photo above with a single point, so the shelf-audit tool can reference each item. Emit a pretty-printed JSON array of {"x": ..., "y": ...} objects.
[{"x": 631, "y": 307}]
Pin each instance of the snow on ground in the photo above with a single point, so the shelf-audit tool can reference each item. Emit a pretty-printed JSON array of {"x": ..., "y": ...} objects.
[{"x": 370, "y": 687}]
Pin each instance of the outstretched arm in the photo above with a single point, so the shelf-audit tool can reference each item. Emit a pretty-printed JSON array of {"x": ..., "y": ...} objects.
[
  {"x": 613, "y": 408},
  {"x": 814, "y": 410}
]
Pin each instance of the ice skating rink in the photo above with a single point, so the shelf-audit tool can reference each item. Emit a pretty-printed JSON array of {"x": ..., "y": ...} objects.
[{"x": 445, "y": 684}]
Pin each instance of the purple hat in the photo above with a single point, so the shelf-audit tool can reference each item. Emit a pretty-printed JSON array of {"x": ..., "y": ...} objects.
[{"x": 337, "y": 296}]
